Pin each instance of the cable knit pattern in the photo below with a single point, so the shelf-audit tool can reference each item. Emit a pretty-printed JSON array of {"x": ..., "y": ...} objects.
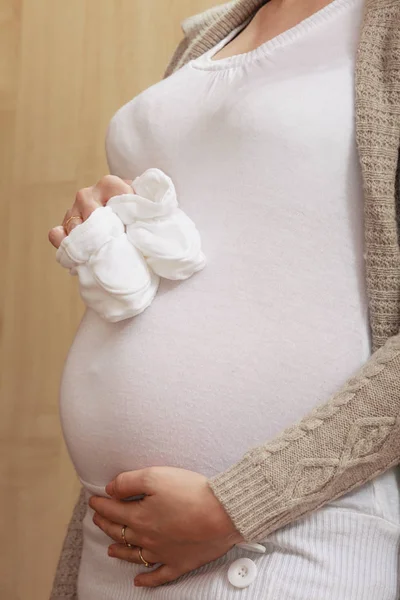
[
  {"x": 355, "y": 435},
  {"x": 338, "y": 446}
]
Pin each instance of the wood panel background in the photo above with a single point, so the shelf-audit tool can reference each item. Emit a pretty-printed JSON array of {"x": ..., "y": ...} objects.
[{"x": 65, "y": 68}]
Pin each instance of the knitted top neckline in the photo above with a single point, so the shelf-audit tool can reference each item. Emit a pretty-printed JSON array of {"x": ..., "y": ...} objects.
[{"x": 291, "y": 35}]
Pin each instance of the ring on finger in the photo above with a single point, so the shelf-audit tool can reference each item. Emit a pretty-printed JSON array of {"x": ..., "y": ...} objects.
[
  {"x": 124, "y": 538},
  {"x": 70, "y": 219},
  {"x": 144, "y": 561}
]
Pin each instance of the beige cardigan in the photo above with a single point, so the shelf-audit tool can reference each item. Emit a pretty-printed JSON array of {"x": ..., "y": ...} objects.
[{"x": 354, "y": 435}]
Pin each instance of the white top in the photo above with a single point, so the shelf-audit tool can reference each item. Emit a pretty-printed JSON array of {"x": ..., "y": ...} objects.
[{"x": 261, "y": 149}]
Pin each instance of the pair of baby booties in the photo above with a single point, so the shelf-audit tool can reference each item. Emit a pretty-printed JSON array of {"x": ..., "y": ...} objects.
[{"x": 123, "y": 249}]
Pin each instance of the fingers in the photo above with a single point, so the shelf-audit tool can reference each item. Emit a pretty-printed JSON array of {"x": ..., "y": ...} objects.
[
  {"x": 163, "y": 574},
  {"x": 109, "y": 186},
  {"x": 114, "y": 530},
  {"x": 121, "y": 550},
  {"x": 129, "y": 483},
  {"x": 82, "y": 208},
  {"x": 70, "y": 222},
  {"x": 86, "y": 201},
  {"x": 56, "y": 236},
  {"x": 114, "y": 510},
  {"x": 132, "y": 554}
]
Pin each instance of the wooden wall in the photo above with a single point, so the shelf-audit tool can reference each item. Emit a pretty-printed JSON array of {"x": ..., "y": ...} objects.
[{"x": 65, "y": 68}]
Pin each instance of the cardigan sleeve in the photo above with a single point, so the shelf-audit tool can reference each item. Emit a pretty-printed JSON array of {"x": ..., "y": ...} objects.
[{"x": 341, "y": 444}]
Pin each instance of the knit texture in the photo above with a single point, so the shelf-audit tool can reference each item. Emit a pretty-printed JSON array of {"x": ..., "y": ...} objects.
[
  {"x": 65, "y": 582},
  {"x": 355, "y": 435}
]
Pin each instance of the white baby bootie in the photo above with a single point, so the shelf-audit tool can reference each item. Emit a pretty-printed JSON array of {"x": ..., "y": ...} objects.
[
  {"x": 114, "y": 279},
  {"x": 155, "y": 225},
  {"x": 120, "y": 252}
]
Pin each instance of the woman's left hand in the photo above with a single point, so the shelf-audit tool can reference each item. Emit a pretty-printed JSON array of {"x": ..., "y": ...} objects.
[{"x": 180, "y": 523}]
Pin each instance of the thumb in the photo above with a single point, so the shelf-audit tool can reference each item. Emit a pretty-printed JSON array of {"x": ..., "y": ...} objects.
[
  {"x": 56, "y": 235},
  {"x": 129, "y": 483},
  {"x": 159, "y": 576}
]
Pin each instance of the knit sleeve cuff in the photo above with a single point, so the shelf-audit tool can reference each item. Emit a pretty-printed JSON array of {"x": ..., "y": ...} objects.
[
  {"x": 244, "y": 492},
  {"x": 338, "y": 446}
]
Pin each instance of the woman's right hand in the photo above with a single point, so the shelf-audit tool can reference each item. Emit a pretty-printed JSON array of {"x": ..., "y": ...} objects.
[{"x": 86, "y": 201}]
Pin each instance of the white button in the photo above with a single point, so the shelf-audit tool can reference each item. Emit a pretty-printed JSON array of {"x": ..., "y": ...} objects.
[
  {"x": 242, "y": 572},
  {"x": 252, "y": 546}
]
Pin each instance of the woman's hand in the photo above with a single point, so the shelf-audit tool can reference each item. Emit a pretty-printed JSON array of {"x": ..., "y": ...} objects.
[
  {"x": 86, "y": 201},
  {"x": 180, "y": 523}
]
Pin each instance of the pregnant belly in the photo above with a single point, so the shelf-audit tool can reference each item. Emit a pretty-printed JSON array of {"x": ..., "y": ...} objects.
[{"x": 197, "y": 379}]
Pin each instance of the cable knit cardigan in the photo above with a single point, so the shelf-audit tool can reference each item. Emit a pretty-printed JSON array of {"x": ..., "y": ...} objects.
[{"x": 354, "y": 435}]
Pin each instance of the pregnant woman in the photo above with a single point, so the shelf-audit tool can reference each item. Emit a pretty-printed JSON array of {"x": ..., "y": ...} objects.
[{"x": 258, "y": 399}]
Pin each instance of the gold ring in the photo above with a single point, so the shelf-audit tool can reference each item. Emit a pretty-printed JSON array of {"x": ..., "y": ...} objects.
[
  {"x": 144, "y": 561},
  {"x": 70, "y": 219},
  {"x": 123, "y": 536}
]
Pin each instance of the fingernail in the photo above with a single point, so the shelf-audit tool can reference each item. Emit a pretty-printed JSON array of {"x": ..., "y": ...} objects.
[{"x": 137, "y": 583}]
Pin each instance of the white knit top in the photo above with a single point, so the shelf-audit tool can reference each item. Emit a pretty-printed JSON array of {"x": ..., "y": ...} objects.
[{"x": 261, "y": 149}]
